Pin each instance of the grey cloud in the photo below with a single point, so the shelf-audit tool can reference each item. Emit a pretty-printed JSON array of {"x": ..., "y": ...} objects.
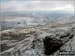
[{"x": 39, "y": 4}]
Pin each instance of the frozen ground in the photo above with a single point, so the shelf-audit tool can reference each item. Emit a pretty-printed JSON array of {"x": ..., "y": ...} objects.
[{"x": 57, "y": 40}]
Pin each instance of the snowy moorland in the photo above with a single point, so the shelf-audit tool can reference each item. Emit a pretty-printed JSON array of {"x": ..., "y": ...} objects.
[{"x": 43, "y": 40}]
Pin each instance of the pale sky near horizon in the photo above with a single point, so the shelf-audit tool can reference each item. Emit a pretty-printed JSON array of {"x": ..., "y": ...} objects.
[{"x": 38, "y": 5}]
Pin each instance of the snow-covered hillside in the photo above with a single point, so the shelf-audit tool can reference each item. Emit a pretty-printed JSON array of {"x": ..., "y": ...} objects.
[
  {"x": 22, "y": 22},
  {"x": 15, "y": 22},
  {"x": 37, "y": 41}
]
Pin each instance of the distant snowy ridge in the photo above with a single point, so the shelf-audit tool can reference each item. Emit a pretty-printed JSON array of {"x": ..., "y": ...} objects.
[{"x": 14, "y": 22}]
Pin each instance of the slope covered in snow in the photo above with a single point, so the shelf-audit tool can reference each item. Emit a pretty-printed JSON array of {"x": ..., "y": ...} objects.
[{"x": 38, "y": 41}]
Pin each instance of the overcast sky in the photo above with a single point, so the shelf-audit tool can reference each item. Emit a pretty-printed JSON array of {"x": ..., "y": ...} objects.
[{"x": 38, "y": 5}]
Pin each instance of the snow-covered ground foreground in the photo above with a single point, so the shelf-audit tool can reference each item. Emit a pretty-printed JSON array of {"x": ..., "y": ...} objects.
[{"x": 40, "y": 41}]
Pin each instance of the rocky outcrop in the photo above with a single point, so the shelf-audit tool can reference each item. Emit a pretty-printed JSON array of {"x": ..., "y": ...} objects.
[{"x": 35, "y": 43}]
